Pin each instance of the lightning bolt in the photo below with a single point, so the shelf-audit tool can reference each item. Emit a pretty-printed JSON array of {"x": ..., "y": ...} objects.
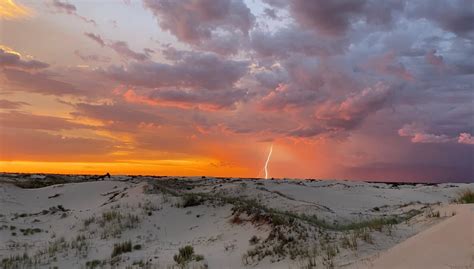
[{"x": 268, "y": 160}]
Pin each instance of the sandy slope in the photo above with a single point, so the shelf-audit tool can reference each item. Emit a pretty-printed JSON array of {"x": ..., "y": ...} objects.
[
  {"x": 447, "y": 245},
  {"x": 80, "y": 222}
]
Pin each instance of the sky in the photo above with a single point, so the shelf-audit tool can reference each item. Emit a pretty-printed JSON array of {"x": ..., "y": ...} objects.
[{"x": 358, "y": 90}]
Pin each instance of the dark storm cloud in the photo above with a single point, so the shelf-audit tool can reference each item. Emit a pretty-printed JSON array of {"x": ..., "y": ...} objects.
[
  {"x": 13, "y": 60},
  {"x": 456, "y": 16},
  {"x": 224, "y": 44},
  {"x": 193, "y": 70},
  {"x": 334, "y": 18},
  {"x": 395, "y": 73},
  {"x": 195, "y": 21},
  {"x": 287, "y": 96},
  {"x": 327, "y": 17},
  {"x": 287, "y": 41}
]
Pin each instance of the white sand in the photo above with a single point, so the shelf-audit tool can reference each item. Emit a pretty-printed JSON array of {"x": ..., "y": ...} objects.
[
  {"x": 162, "y": 227},
  {"x": 449, "y": 244}
]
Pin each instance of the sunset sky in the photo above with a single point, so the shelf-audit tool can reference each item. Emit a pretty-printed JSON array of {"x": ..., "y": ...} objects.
[{"x": 362, "y": 89}]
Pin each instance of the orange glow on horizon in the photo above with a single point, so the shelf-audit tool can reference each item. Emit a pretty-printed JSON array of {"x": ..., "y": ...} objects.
[{"x": 131, "y": 167}]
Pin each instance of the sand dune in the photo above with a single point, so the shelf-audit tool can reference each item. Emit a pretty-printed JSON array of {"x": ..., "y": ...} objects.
[
  {"x": 449, "y": 244},
  {"x": 230, "y": 223}
]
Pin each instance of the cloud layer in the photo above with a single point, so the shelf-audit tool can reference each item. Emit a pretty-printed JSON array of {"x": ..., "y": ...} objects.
[{"x": 342, "y": 88}]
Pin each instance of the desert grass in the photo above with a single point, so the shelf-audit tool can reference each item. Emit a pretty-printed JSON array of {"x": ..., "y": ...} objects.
[
  {"x": 292, "y": 234},
  {"x": 185, "y": 255},
  {"x": 17, "y": 261},
  {"x": 121, "y": 248},
  {"x": 466, "y": 196},
  {"x": 111, "y": 223}
]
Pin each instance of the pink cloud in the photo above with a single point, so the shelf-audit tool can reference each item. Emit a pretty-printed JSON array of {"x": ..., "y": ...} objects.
[
  {"x": 188, "y": 99},
  {"x": 356, "y": 107},
  {"x": 466, "y": 138},
  {"x": 192, "y": 21},
  {"x": 418, "y": 135},
  {"x": 430, "y": 138},
  {"x": 432, "y": 58},
  {"x": 386, "y": 64}
]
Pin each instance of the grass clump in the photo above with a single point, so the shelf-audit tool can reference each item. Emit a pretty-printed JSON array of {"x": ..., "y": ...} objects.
[
  {"x": 16, "y": 261},
  {"x": 191, "y": 200},
  {"x": 89, "y": 221},
  {"x": 30, "y": 231},
  {"x": 111, "y": 223},
  {"x": 186, "y": 255},
  {"x": 94, "y": 264},
  {"x": 111, "y": 215},
  {"x": 121, "y": 248},
  {"x": 466, "y": 197}
]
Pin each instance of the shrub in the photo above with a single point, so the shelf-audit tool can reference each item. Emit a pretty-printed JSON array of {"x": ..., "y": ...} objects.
[
  {"x": 254, "y": 240},
  {"x": 16, "y": 261},
  {"x": 278, "y": 220},
  {"x": 122, "y": 248},
  {"x": 236, "y": 219},
  {"x": 185, "y": 255},
  {"x": 30, "y": 231},
  {"x": 93, "y": 264},
  {"x": 89, "y": 221},
  {"x": 191, "y": 200},
  {"x": 466, "y": 197},
  {"x": 111, "y": 215}
]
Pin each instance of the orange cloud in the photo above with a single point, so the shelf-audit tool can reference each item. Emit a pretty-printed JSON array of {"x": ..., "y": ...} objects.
[
  {"x": 9, "y": 10},
  {"x": 131, "y": 97}
]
